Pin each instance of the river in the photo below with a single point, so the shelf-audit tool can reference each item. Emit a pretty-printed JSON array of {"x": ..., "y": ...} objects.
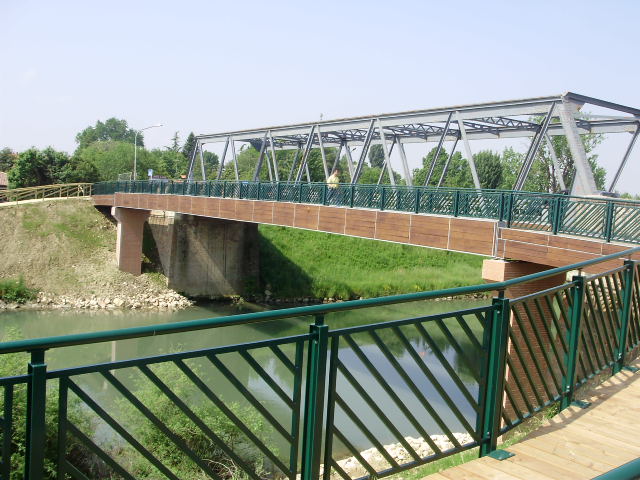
[{"x": 31, "y": 324}]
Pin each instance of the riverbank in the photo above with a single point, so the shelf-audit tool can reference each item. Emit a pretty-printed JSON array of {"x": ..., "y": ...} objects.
[
  {"x": 65, "y": 251},
  {"x": 311, "y": 266}
]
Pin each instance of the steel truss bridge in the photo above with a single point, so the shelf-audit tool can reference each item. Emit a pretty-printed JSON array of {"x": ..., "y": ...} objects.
[{"x": 444, "y": 127}]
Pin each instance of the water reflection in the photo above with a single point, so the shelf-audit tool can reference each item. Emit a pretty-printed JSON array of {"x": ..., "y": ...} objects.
[{"x": 370, "y": 360}]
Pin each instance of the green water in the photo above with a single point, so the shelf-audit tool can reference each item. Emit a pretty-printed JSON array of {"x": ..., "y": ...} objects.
[{"x": 31, "y": 324}]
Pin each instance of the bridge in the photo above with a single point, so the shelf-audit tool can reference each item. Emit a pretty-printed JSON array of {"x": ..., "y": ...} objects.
[{"x": 395, "y": 392}]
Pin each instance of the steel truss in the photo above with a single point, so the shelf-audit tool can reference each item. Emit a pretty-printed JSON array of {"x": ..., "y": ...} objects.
[{"x": 496, "y": 120}]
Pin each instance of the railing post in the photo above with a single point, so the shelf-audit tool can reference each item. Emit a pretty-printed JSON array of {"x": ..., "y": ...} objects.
[
  {"x": 36, "y": 428},
  {"x": 495, "y": 368},
  {"x": 555, "y": 215},
  {"x": 510, "y": 210},
  {"x": 608, "y": 223},
  {"x": 575, "y": 316},
  {"x": 625, "y": 314},
  {"x": 456, "y": 203},
  {"x": 300, "y": 192},
  {"x": 416, "y": 207},
  {"x": 314, "y": 399},
  {"x": 353, "y": 194},
  {"x": 278, "y": 191},
  {"x": 382, "y": 198},
  {"x": 324, "y": 194}
]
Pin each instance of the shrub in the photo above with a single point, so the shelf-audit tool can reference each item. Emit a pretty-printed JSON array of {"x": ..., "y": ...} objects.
[{"x": 15, "y": 291}]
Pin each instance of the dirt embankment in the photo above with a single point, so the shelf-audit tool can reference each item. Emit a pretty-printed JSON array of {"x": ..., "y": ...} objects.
[{"x": 66, "y": 250}]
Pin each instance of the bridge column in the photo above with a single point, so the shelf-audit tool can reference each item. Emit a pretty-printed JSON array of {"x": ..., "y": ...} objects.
[
  {"x": 129, "y": 239},
  {"x": 536, "y": 324}
]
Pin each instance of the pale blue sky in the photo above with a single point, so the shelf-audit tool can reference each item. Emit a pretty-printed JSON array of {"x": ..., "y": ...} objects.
[{"x": 218, "y": 66}]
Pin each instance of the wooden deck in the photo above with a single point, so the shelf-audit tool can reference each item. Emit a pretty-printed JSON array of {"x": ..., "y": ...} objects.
[{"x": 575, "y": 444}]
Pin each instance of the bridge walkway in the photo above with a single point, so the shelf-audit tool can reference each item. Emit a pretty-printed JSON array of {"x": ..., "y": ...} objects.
[{"x": 575, "y": 444}]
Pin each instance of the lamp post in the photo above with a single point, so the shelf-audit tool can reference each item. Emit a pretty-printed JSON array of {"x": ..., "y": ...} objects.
[{"x": 135, "y": 148}]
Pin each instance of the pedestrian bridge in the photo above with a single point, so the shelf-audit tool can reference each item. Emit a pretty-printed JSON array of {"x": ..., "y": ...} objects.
[{"x": 541, "y": 230}]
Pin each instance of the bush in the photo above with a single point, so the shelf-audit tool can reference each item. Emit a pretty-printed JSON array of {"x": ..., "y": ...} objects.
[{"x": 15, "y": 291}]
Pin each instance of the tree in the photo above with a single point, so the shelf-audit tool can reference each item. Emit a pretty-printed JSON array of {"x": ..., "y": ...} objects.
[
  {"x": 175, "y": 143},
  {"x": 376, "y": 155},
  {"x": 489, "y": 167},
  {"x": 111, "y": 158},
  {"x": 112, "y": 129},
  {"x": 189, "y": 146},
  {"x": 7, "y": 158},
  {"x": 38, "y": 167}
]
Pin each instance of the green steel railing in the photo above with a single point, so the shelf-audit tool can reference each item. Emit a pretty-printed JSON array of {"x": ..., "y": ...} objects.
[
  {"x": 606, "y": 219},
  {"x": 326, "y": 394}
]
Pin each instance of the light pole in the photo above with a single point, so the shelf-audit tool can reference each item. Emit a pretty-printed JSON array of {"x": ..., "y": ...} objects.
[{"x": 135, "y": 149}]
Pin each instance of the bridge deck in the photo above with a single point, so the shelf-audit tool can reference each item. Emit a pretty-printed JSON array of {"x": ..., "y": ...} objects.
[{"x": 575, "y": 444}]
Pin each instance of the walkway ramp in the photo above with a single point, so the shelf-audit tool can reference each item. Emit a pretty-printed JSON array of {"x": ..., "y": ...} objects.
[{"x": 575, "y": 444}]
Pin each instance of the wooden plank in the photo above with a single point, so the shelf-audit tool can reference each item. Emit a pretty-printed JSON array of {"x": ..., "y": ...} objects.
[
  {"x": 306, "y": 216},
  {"x": 583, "y": 447},
  {"x": 570, "y": 243},
  {"x": 486, "y": 470},
  {"x": 228, "y": 208},
  {"x": 283, "y": 214},
  {"x": 212, "y": 207},
  {"x": 518, "y": 471},
  {"x": 459, "y": 473},
  {"x": 562, "y": 457}
]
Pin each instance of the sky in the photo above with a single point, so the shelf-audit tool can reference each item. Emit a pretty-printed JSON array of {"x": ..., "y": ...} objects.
[{"x": 210, "y": 66}]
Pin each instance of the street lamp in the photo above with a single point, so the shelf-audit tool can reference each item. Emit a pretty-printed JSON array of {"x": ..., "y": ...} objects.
[{"x": 135, "y": 148}]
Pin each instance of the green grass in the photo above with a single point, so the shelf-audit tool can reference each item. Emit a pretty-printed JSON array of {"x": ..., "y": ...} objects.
[
  {"x": 16, "y": 291},
  {"x": 300, "y": 263}
]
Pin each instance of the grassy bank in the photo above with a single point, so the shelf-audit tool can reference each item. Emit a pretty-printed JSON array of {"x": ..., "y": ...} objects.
[
  {"x": 63, "y": 248},
  {"x": 300, "y": 263}
]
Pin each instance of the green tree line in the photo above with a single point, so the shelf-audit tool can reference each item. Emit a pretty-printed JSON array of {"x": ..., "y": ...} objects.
[{"x": 103, "y": 152}]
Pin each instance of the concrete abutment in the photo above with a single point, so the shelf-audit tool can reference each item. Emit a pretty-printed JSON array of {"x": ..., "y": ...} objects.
[{"x": 200, "y": 256}]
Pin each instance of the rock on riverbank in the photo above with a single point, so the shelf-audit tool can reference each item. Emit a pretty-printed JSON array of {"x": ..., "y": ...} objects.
[
  {"x": 167, "y": 300},
  {"x": 354, "y": 468}
]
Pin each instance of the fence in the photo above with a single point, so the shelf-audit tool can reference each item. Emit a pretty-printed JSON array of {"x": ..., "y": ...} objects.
[
  {"x": 65, "y": 190},
  {"x": 308, "y": 400},
  {"x": 606, "y": 219}
]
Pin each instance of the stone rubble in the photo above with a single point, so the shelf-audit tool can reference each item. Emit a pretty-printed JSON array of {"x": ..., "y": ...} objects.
[
  {"x": 141, "y": 301},
  {"x": 354, "y": 469}
]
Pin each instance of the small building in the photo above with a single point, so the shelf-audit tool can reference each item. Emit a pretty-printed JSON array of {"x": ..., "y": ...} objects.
[{"x": 4, "y": 181}]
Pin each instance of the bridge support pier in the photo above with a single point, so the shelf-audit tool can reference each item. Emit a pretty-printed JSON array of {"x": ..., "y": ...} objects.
[
  {"x": 536, "y": 320},
  {"x": 129, "y": 239},
  {"x": 207, "y": 257}
]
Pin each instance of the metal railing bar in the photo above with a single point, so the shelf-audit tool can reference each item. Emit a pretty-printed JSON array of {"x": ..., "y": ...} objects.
[
  {"x": 607, "y": 315},
  {"x": 267, "y": 379},
  {"x": 405, "y": 321},
  {"x": 595, "y": 323},
  {"x": 197, "y": 381},
  {"x": 390, "y": 392},
  {"x": 470, "y": 362},
  {"x": 417, "y": 392},
  {"x": 363, "y": 428},
  {"x": 119, "y": 429},
  {"x": 99, "y": 452},
  {"x": 250, "y": 398},
  {"x": 523, "y": 335},
  {"x": 355, "y": 451},
  {"x": 376, "y": 409},
  {"x": 465, "y": 328},
  {"x": 561, "y": 332},
  {"x": 524, "y": 298},
  {"x": 134, "y": 362},
  {"x": 448, "y": 368},
  {"x": 434, "y": 382},
  {"x": 197, "y": 421},
  {"x": 15, "y": 380},
  {"x": 552, "y": 343},
  {"x": 520, "y": 388},
  {"x": 283, "y": 358},
  {"x": 159, "y": 424}
]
